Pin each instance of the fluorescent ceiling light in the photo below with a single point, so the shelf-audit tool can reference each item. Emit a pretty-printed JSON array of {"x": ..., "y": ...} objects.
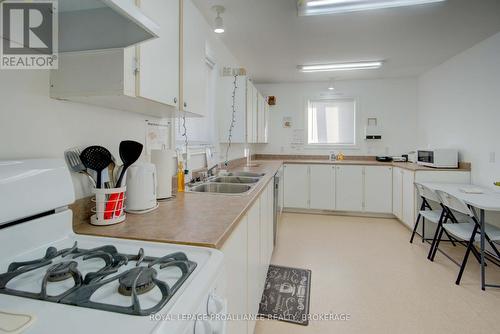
[
  {"x": 365, "y": 65},
  {"x": 319, "y": 7}
]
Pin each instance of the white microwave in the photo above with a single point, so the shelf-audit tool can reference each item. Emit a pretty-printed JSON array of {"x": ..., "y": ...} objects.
[{"x": 438, "y": 158}]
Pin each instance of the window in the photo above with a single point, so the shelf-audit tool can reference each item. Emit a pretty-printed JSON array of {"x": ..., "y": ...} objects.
[{"x": 331, "y": 122}]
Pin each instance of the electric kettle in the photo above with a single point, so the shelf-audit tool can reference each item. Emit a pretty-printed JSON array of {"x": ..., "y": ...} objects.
[{"x": 141, "y": 188}]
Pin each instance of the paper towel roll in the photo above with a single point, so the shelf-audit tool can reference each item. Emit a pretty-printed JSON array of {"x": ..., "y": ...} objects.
[{"x": 163, "y": 160}]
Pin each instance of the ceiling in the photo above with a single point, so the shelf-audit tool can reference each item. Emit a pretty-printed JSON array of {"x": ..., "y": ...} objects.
[{"x": 270, "y": 40}]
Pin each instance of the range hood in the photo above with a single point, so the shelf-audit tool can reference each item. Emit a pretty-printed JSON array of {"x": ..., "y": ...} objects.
[{"x": 86, "y": 25}]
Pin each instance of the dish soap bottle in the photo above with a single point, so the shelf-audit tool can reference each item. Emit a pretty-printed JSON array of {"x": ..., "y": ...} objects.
[{"x": 180, "y": 177}]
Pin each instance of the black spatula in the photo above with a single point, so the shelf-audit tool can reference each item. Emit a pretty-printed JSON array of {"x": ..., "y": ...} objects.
[
  {"x": 96, "y": 158},
  {"x": 130, "y": 151}
]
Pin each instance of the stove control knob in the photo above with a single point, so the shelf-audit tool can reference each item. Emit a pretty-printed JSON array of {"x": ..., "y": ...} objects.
[
  {"x": 202, "y": 326},
  {"x": 215, "y": 304}
]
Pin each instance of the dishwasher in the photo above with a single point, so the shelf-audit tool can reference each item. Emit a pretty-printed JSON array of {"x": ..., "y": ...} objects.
[{"x": 277, "y": 205}]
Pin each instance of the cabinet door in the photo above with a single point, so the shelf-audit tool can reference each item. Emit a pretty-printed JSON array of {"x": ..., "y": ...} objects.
[
  {"x": 378, "y": 189},
  {"x": 322, "y": 187},
  {"x": 266, "y": 122},
  {"x": 235, "y": 251},
  {"x": 249, "y": 111},
  {"x": 254, "y": 291},
  {"x": 408, "y": 198},
  {"x": 264, "y": 246},
  {"x": 225, "y": 111},
  {"x": 397, "y": 193},
  {"x": 261, "y": 119},
  {"x": 349, "y": 188},
  {"x": 194, "y": 71},
  {"x": 255, "y": 120},
  {"x": 158, "y": 76},
  {"x": 296, "y": 186},
  {"x": 270, "y": 225}
]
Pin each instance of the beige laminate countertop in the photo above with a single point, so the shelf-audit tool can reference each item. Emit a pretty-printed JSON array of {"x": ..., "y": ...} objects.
[
  {"x": 202, "y": 219},
  {"x": 405, "y": 165},
  {"x": 198, "y": 219}
]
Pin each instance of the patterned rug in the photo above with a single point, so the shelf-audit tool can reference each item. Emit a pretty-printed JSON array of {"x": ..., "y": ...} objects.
[{"x": 286, "y": 295}]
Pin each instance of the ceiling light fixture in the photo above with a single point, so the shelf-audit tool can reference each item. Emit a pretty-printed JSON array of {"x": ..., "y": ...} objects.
[
  {"x": 320, "y": 7},
  {"x": 218, "y": 22},
  {"x": 331, "y": 85},
  {"x": 364, "y": 65}
]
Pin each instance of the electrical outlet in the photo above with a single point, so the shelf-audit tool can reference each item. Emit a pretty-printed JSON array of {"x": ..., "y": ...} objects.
[{"x": 492, "y": 157}]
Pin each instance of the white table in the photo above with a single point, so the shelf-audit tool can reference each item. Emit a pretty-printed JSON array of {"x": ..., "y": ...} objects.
[{"x": 488, "y": 200}]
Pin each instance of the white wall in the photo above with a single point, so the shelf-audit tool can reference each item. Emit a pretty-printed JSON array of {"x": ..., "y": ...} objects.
[
  {"x": 392, "y": 101},
  {"x": 34, "y": 126},
  {"x": 459, "y": 107}
]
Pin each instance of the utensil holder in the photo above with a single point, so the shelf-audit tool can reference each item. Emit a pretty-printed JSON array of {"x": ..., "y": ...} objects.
[{"x": 107, "y": 201}]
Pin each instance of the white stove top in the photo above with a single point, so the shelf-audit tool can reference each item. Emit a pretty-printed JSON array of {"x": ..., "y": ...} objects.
[{"x": 28, "y": 241}]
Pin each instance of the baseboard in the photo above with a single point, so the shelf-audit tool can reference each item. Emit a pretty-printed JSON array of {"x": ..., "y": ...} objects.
[{"x": 340, "y": 213}]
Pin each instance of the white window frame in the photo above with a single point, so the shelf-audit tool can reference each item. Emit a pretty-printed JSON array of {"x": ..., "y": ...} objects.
[{"x": 353, "y": 146}]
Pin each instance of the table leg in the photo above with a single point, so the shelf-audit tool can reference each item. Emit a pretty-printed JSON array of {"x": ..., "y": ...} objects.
[{"x": 482, "y": 223}]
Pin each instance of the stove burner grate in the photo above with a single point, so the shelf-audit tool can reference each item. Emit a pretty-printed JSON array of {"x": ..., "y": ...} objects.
[{"x": 140, "y": 277}]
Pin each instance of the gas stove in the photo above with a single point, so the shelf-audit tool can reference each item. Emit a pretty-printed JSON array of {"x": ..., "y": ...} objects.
[
  {"x": 99, "y": 278},
  {"x": 102, "y": 284}
]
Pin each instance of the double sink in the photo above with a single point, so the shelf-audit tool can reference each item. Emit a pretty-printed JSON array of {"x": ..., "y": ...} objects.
[{"x": 230, "y": 183}]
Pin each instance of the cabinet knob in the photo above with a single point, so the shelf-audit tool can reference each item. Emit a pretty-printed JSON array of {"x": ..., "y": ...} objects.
[
  {"x": 185, "y": 104},
  {"x": 175, "y": 100}
]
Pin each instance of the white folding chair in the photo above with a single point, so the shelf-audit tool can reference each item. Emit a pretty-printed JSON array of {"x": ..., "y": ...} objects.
[{"x": 464, "y": 231}]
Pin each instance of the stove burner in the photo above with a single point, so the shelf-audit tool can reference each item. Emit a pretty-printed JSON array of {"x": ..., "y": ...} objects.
[
  {"x": 61, "y": 271},
  {"x": 140, "y": 277}
]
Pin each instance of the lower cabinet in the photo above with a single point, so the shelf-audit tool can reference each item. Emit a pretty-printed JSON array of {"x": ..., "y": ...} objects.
[
  {"x": 378, "y": 189},
  {"x": 349, "y": 188},
  {"x": 353, "y": 188},
  {"x": 322, "y": 187},
  {"x": 296, "y": 187},
  {"x": 247, "y": 254},
  {"x": 397, "y": 192}
]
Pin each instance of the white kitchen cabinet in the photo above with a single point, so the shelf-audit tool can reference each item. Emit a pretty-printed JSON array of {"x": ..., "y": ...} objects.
[
  {"x": 296, "y": 186},
  {"x": 142, "y": 79},
  {"x": 193, "y": 97},
  {"x": 247, "y": 254},
  {"x": 251, "y": 112},
  {"x": 235, "y": 251},
  {"x": 408, "y": 198},
  {"x": 322, "y": 187},
  {"x": 397, "y": 192},
  {"x": 158, "y": 73},
  {"x": 378, "y": 189},
  {"x": 262, "y": 119},
  {"x": 255, "y": 271},
  {"x": 349, "y": 188}
]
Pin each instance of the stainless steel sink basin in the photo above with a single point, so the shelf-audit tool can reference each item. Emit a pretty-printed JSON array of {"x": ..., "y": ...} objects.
[
  {"x": 246, "y": 174},
  {"x": 221, "y": 188},
  {"x": 235, "y": 179}
]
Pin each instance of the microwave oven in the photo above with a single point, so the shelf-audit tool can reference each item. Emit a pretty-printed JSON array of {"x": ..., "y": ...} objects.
[{"x": 438, "y": 158}]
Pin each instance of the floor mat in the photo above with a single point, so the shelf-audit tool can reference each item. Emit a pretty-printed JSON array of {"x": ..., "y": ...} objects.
[{"x": 286, "y": 295}]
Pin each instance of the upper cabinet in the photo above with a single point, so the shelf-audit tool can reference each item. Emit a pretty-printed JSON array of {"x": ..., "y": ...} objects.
[
  {"x": 148, "y": 78},
  {"x": 194, "y": 72},
  {"x": 103, "y": 24},
  {"x": 251, "y": 112},
  {"x": 158, "y": 72}
]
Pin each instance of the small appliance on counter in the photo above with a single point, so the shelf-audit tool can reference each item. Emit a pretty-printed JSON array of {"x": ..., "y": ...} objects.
[
  {"x": 383, "y": 158},
  {"x": 438, "y": 158},
  {"x": 164, "y": 163},
  {"x": 141, "y": 188},
  {"x": 403, "y": 158}
]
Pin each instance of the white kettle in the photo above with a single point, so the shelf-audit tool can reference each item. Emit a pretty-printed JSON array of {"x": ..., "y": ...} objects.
[{"x": 141, "y": 188}]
